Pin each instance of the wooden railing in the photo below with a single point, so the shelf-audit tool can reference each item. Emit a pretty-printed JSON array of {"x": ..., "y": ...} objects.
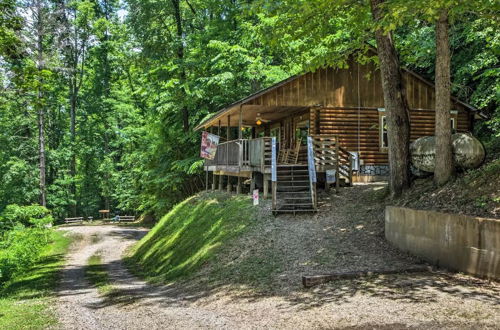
[
  {"x": 329, "y": 155},
  {"x": 243, "y": 152},
  {"x": 312, "y": 170}
]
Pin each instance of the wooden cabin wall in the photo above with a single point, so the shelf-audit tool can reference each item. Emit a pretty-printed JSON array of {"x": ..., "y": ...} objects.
[
  {"x": 343, "y": 122},
  {"x": 341, "y": 99},
  {"x": 338, "y": 88}
]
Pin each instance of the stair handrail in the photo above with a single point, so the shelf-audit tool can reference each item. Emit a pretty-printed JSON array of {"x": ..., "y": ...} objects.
[
  {"x": 312, "y": 169},
  {"x": 274, "y": 175}
]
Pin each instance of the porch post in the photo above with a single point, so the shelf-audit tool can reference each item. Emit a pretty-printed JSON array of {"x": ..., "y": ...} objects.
[
  {"x": 228, "y": 136},
  {"x": 221, "y": 182},
  {"x": 214, "y": 177},
  {"x": 238, "y": 186},
  {"x": 240, "y": 123},
  {"x": 214, "y": 180},
  {"x": 206, "y": 180},
  {"x": 266, "y": 186},
  {"x": 252, "y": 183}
]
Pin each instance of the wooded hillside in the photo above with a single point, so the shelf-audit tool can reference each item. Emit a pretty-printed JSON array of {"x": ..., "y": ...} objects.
[{"x": 98, "y": 99}]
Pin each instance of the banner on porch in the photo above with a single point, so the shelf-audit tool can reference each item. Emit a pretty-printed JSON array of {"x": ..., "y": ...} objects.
[{"x": 209, "y": 143}]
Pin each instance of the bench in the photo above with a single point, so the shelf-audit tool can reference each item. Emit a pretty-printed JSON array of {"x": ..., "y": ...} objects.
[
  {"x": 127, "y": 218},
  {"x": 73, "y": 220}
]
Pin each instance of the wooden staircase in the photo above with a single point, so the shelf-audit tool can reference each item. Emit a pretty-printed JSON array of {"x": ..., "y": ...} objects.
[
  {"x": 294, "y": 185},
  {"x": 293, "y": 190}
]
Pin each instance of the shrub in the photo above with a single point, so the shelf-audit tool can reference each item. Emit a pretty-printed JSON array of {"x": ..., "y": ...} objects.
[
  {"x": 28, "y": 216},
  {"x": 23, "y": 236},
  {"x": 20, "y": 249}
]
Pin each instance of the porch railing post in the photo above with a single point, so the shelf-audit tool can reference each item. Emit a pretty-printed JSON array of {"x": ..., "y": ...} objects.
[
  {"x": 312, "y": 169},
  {"x": 337, "y": 165}
]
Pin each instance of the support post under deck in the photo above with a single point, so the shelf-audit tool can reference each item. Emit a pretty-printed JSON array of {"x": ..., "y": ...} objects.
[
  {"x": 238, "y": 186},
  {"x": 214, "y": 181},
  {"x": 266, "y": 186}
]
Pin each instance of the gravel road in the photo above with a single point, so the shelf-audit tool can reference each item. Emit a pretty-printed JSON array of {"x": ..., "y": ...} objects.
[{"x": 423, "y": 301}]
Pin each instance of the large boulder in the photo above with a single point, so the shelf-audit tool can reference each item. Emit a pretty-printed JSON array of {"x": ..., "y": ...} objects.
[{"x": 468, "y": 152}]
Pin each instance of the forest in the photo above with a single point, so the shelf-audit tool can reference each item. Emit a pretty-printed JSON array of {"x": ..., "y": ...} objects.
[{"x": 98, "y": 98}]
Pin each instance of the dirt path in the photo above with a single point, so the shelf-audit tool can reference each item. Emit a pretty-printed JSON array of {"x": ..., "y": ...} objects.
[
  {"x": 134, "y": 305},
  {"x": 346, "y": 235}
]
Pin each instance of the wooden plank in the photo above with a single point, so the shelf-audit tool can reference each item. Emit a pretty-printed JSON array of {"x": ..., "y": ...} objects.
[{"x": 310, "y": 281}]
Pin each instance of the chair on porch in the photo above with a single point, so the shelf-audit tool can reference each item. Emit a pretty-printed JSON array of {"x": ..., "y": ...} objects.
[
  {"x": 292, "y": 155},
  {"x": 282, "y": 153}
]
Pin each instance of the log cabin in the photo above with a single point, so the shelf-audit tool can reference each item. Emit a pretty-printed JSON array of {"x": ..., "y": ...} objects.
[{"x": 317, "y": 128}]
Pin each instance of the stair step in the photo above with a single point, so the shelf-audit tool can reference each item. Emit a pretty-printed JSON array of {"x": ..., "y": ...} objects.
[
  {"x": 295, "y": 193},
  {"x": 294, "y": 211},
  {"x": 294, "y": 181},
  {"x": 292, "y": 165}
]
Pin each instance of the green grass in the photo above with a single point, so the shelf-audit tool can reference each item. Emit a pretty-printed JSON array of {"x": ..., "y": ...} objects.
[
  {"x": 97, "y": 274},
  {"x": 190, "y": 235},
  {"x": 25, "y": 300}
]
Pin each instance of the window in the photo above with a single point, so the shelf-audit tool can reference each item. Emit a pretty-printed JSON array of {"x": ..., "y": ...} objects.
[
  {"x": 453, "y": 125},
  {"x": 383, "y": 132}
]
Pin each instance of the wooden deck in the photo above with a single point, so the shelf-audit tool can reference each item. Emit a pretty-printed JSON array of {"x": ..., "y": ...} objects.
[{"x": 255, "y": 155}]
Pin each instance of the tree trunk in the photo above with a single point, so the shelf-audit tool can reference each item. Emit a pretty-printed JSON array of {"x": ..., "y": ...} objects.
[
  {"x": 73, "y": 147},
  {"x": 396, "y": 107},
  {"x": 180, "y": 56},
  {"x": 444, "y": 169},
  {"x": 40, "y": 105}
]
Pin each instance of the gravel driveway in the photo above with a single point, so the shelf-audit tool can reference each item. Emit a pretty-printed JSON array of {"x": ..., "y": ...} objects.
[{"x": 432, "y": 300}]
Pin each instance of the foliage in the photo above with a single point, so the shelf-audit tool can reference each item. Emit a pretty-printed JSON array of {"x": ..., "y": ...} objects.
[
  {"x": 23, "y": 236},
  {"x": 25, "y": 301},
  {"x": 26, "y": 216},
  {"x": 127, "y": 75},
  {"x": 190, "y": 234},
  {"x": 20, "y": 248}
]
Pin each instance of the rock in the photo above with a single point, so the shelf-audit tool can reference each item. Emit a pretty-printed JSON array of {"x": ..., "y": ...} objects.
[
  {"x": 468, "y": 152},
  {"x": 422, "y": 152}
]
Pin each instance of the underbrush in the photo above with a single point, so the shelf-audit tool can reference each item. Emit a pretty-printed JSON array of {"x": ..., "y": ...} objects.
[
  {"x": 26, "y": 298},
  {"x": 474, "y": 192},
  {"x": 24, "y": 234},
  {"x": 190, "y": 235}
]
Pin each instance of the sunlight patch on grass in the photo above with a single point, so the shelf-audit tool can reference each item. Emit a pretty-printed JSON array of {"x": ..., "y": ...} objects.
[
  {"x": 25, "y": 301},
  {"x": 190, "y": 234}
]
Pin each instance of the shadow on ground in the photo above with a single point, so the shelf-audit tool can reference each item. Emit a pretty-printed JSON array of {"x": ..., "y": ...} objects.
[{"x": 344, "y": 236}]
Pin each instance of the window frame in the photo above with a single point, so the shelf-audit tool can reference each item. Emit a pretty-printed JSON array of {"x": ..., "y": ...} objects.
[{"x": 382, "y": 119}]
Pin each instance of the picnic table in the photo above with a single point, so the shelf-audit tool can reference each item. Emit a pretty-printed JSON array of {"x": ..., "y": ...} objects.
[{"x": 73, "y": 220}]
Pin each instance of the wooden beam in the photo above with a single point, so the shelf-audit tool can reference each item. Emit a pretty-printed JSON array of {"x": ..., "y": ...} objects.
[
  {"x": 240, "y": 123},
  {"x": 238, "y": 186},
  {"x": 309, "y": 281},
  {"x": 266, "y": 185}
]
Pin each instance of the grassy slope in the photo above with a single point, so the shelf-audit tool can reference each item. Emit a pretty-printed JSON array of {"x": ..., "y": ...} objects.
[
  {"x": 24, "y": 302},
  {"x": 190, "y": 234}
]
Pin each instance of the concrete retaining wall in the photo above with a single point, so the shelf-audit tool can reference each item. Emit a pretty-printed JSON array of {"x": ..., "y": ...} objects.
[{"x": 462, "y": 243}]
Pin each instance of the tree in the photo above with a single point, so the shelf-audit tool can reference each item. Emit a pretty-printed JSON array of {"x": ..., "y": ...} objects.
[
  {"x": 398, "y": 122},
  {"x": 76, "y": 18},
  {"x": 445, "y": 167},
  {"x": 339, "y": 30}
]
